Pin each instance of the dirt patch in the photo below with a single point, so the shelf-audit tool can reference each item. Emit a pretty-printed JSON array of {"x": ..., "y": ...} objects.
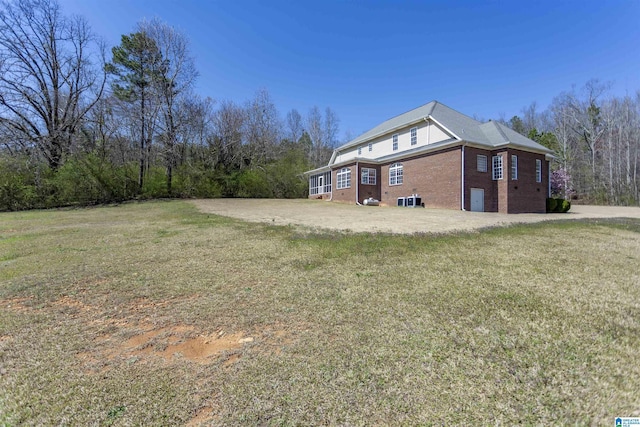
[{"x": 323, "y": 215}]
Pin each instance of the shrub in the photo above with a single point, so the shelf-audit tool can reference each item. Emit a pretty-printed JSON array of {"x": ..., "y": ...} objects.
[
  {"x": 551, "y": 205},
  {"x": 565, "y": 205},
  {"x": 557, "y": 205}
]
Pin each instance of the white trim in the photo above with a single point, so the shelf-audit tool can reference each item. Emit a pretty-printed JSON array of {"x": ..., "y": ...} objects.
[
  {"x": 462, "y": 179},
  {"x": 430, "y": 117}
]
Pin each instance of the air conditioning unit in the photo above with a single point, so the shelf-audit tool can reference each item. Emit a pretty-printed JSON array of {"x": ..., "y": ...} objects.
[
  {"x": 413, "y": 201},
  {"x": 402, "y": 201}
]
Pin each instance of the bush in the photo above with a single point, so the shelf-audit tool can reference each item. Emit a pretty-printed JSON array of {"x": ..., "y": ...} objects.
[
  {"x": 557, "y": 205},
  {"x": 565, "y": 206}
]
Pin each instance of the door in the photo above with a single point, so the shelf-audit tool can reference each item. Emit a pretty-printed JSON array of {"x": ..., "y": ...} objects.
[
  {"x": 321, "y": 184},
  {"x": 477, "y": 200}
]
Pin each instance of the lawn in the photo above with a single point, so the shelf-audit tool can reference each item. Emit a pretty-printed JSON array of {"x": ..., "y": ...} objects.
[{"x": 156, "y": 314}]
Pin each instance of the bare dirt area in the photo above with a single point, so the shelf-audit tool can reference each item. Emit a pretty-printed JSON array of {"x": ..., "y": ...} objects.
[{"x": 323, "y": 215}]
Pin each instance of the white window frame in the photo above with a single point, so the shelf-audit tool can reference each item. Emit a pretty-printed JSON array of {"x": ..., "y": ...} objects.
[
  {"x": 514, "y": 167},
  {"x": 414, "y": 136},
  {"x": 368, "y": 176},
  {"x": 538, "y": 170},
  {"x": 370, "y": 147},
  {"x": 315, "y": 182},
  {"x": 396, "y": 174},
  {"x": 395, "y": 141},
  {"x": 343, "y": 178},
  {"x": 496, "y": 167},
  {"x": 359, "y": 151},
  {"x": 481, "y": 163}
]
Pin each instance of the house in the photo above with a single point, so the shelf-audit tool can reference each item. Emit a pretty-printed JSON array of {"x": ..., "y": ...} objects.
[{"x": 448, "y": 159}]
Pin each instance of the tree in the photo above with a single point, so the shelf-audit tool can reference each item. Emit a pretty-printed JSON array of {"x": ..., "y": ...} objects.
[
  {"x": 294, "y": 125},
  {"x": 136, "y": 64},
  {"x": 172, "y": 80},
  {"x": 48, "y": 76}
]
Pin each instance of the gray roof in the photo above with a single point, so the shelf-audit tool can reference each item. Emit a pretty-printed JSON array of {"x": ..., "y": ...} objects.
[{"x": 490, "y": 134}]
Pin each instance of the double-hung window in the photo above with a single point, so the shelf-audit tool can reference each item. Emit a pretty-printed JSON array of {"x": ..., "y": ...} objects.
[
  {"x": 514, "y": 167},
  {"x": 396, "y": 174},
  {"x": 370, "y": 147},
  {"x": 395, "y": 142},
  {"x": 497, "y": 167},
  {"x": 538, "y": 170},
  {"x": 482, "y": 163},
  {"x": 414, "y": 136},
  {"x": 359, "y": 151},
  {"x": 343, "y": 178},
  {"x": 368, "y": 176}
]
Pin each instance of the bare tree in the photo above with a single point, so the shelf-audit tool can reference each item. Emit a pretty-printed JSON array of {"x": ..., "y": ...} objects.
[
  {"x": 49, "y": 75},
  {"x": 228, "y": 124},
  {"x": 294, "y": 125},
  {"x": 173, "y": 79},
  {"x": 263, "y": 128}
]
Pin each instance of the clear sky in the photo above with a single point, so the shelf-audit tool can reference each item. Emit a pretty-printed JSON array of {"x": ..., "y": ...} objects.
[{"x": 372, "y": 60}]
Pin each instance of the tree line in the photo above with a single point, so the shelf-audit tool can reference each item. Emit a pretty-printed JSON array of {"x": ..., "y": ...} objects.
[
  {"x": 596, "y": 143},
  {"x": 81, "y": 123}
]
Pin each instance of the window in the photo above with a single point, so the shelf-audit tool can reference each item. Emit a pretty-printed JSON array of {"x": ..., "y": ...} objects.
[
  {"x": 359, "y": 151},
  {"x": 370, "y": 147},
  {"x": 514, "y": 167},
  {"x": 320, "y": 183},
  {"x": 538, "y": 170},
  {"x": 482, "y": 163},
  {"x": 497, "y": 167},
  {"x": 414, "y": 136},
  {"x": 368, "y": 176},
  {"x": 395, "y": 142},
  {"x": 343, "y": 178},
  {"x": 396, "y": 175}
]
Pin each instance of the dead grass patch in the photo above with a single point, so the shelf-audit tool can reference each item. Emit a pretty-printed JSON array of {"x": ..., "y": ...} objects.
[{"x": 155, "y": 314}]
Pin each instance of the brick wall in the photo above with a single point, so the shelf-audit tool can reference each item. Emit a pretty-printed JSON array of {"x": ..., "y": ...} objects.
[
  {"x": 525, "y": 194},
  {"x": 435, "y": 177},
  {"x": 344, "y": 194}
]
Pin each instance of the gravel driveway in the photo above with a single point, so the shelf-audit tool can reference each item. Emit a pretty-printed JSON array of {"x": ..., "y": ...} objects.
[{"x": 317, "y": 214}]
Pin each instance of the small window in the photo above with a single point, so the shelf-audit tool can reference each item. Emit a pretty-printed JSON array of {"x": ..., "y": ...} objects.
[
  {"x": 514, "y": 167},
  {"x": 414, "y": 136},
  {"x": 395, "y": 142},
  {"x": 370, "y": 147},
  {"x": 396, "y": 174},
  {"x": 482, "y": 163},
  {"x": 497, "y": 167},
  {"x": 538, "y": 170},
  {"x": 343, "y": 178},
  {"x": 368, "y": 176},
  {"x": 359, "y": 151}
]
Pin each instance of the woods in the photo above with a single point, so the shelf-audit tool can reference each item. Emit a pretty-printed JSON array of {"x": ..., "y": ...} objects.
[{"x": 85, "y": 123}]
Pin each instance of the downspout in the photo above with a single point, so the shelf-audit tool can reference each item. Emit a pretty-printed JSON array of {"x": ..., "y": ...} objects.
[
  {"x": 331, "y": 192},
  {"x": 549, "y": 179},
  {"x": 357, "y": 182},
  {"x": 462, "y": 178}
]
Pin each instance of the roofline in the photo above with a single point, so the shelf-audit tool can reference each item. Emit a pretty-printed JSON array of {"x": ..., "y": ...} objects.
[
  {"x": 427, "y": 149},
  {"x": 430, "y": 117}
]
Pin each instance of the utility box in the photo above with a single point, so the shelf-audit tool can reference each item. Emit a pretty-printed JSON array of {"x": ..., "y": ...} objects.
[
  {"x": 413, "y": 201},
  {"x": 402, "y": 201}
]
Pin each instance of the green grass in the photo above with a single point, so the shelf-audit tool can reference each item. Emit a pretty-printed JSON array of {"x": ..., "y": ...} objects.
[{"x": 533, "y": 324}]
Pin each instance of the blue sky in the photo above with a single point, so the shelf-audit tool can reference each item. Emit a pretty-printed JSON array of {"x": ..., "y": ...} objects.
[{"x": 372, "y": 60}]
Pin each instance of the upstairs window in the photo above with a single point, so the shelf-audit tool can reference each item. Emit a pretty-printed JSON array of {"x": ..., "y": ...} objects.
[
  {"x": 482, "y": 163},
  {"x": 396, "y": 174},
  {"x": 370, "y": 147},
  {"x": 414, "y": 136},
  {"x": 538, "y": 170},
  {"x": 368, "y": 176},
  {"x": 395, "y": 142},
  {"x": 514, "y": 167},
  {"x": 359, "y": 151},
  {"x": 497, "y": 167},
  {"x": 343, "y": 178}
]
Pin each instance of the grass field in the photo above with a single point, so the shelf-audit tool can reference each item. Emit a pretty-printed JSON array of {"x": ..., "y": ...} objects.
[{"x": 156, "y": 314}]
